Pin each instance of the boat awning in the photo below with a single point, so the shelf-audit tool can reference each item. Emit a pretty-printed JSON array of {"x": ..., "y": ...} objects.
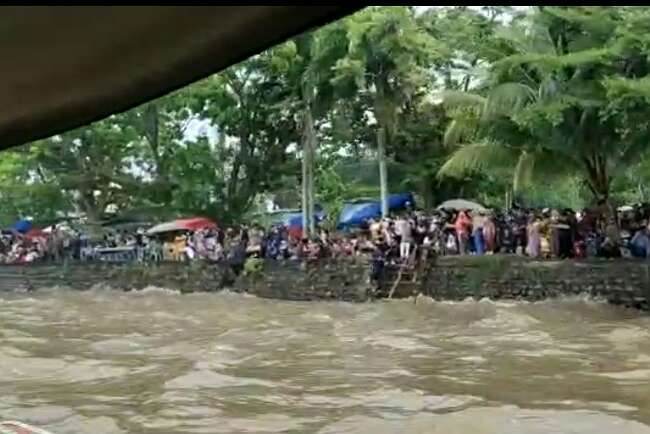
[{"x": 66, "y": 66}]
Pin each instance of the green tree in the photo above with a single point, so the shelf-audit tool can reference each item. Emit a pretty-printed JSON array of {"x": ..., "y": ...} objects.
[
  {"x": 310, "y": 72},
  {"x": 91, "y": 166},
  {"x": 251, "y": 106},
  {"x": 22, "y": 193},
  {"x": 387, "y": 59},
  {"x": 547, "y": 111}
]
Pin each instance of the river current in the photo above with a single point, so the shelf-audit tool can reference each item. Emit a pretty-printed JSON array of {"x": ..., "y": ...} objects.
[{"x": 157, "y": 361}]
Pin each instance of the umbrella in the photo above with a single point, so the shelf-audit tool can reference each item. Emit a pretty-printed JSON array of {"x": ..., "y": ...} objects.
[
  {"x": 461, "y": 204},
  {"x": 353, "y": 214},
  {"x": 22, "y": 226},
  {"x": 295, "y": 232},
  {"x": 35, "y": 233},
  {"x": 191, "y": 224}
]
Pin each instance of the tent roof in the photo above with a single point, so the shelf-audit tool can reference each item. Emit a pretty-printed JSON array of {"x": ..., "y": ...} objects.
[{"x": 65, "y": 66}]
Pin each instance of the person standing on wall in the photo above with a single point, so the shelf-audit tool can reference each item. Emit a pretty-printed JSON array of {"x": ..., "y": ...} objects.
[{"x": 405, "y": 231}]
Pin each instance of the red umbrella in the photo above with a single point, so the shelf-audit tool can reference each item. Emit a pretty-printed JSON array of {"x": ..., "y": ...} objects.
[
  {"x": 194, "y": 224},
  {"x": 295, "y": 232},
  {"x": 191, "y": 224},
  {"x": 35, "y": 233}
]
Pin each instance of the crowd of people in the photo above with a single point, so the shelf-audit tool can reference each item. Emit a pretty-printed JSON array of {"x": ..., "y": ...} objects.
[
  {"x": 542, "y": 233},
  {"x": 545, "y": 233},
  {"x": 54, "y": 246}
]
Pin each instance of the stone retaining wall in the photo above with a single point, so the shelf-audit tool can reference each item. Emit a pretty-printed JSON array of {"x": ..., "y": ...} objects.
[
  {"x": 83, "y": 276},
  {"x": 623, "y": 282},
  {"x": 324, "y": 280}
]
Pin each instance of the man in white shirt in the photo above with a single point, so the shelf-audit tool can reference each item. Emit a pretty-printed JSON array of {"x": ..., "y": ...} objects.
[{"x": 405, "y": 231}]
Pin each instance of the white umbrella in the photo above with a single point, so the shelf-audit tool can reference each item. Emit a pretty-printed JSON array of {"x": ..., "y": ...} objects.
[
  {"x": 191, "y": 224},
  {"x": 461, "y": 204},
  {"x": 164, "y": 227}
]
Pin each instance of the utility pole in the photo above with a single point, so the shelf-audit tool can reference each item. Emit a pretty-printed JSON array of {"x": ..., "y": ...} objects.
[
  {"x": 383, "y": 177},
  {"x": 308, "y": 145}
]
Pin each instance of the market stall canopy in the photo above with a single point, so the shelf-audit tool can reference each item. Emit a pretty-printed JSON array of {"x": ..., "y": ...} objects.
[
  {"x": 461, "y": 204},
  {"x": 193, "y": 224},
  {"x": 66, "y": 66}
]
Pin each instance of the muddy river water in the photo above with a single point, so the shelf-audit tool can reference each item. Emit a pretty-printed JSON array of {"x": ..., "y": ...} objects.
[{"x": 160, "y": 362}]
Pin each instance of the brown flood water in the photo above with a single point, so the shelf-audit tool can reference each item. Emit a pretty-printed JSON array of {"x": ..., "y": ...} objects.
[{"x": 160, "y": 362}]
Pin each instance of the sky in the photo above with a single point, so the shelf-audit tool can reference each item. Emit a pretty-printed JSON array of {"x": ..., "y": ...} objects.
[{"x": 202, "y": 127}]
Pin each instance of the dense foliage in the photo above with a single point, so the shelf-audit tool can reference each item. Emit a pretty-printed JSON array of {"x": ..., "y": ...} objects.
[{"x": 551, "y": 103}]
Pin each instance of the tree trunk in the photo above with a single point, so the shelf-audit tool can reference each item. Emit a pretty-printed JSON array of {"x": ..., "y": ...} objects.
[
  {"x": 599, "y": 181},
  {"x": 426, "y": 191},
  {"x": 383, "y": 177},
  {"x": 151, "y": 130},
  {"x": 233, "y": 184}
]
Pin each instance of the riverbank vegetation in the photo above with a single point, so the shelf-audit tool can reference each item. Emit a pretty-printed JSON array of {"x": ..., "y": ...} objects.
[{"x": 550, "y": 105}]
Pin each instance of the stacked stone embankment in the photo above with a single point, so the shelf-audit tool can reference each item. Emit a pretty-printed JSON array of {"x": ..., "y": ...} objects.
[{"x": 621, "y": 282}]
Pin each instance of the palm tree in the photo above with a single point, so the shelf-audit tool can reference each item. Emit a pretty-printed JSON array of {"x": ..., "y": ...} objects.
[
  {"x": 387, "y": 54},
  {"x": 311, "y": 71},
  {"x": 545, "y": 112}
]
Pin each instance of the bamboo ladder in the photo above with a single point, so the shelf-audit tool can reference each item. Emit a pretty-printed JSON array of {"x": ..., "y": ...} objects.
[{"x": 408, "y": 261}]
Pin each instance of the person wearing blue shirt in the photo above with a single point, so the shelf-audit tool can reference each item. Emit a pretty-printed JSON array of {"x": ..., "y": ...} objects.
[{"x": 640, "y": 243}]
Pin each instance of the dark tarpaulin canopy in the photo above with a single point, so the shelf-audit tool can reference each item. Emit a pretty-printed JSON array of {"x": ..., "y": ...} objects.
[{"x": 66, "y": 66}]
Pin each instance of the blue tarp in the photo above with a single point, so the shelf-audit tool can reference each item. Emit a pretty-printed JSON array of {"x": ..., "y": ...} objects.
[
  {"x": 22, "y": 226},
  {"x": 295, "y": 219},
  {"x": 355, "y": 213}
]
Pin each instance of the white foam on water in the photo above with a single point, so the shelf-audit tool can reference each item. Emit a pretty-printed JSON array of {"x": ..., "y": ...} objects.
[
  {"x": 473, "y": 359},
  {"x": 84, "y": 424},
  {"x": 59, "y": 370},
  {"x": 316, "y": 316},
  {"x": 546, "y": 352},
  {"x": 490, "y": 420},
  {"x": 41, "y": 415},
  {"x": 384, "y": 398},
  {"x": 23, "y": 300},
  {"x": 633, "y": 375},
  {"x": 151, "y": 289},
  {"x": 631, "y": 335},
  {"x": 401, "y": 343},
  {"x": 608, "y": 406},
  {"x": 129, "y": 344},
  {"x": 641, "y": 359},
  {"x": 509, "y": 320},
  {"x": 323, "y": 354},
  {"x": 210, "y": 420},
  {"x": 13, "y": 352},
  {"x": 391, "y": 373},
  {"x": 101, "y": 287},
  {"x": 205, "y": 379}
]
